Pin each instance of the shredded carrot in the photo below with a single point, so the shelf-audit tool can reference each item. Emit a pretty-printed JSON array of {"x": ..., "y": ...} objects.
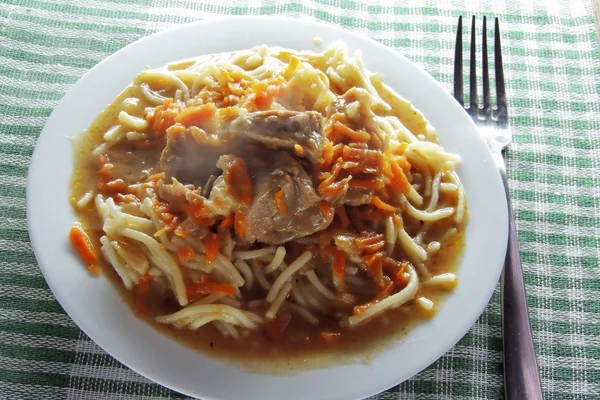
[
  {"x": 141, "y": 292},
  {"x": 186, "y": 254},
  {"x": 397, "y": 221},
  {"x": 196, "y": 115},
  {"x": 196, "y": 290},
  {"x": 239, "y": 224},
  {"x": 375, "y": 269},
  {"x": 238, "y": 181},
  {"x": 156, "y": 177},
  {"x": 364, "y": 307},
  {"x": 228, "y": 113},
  {"x": 227, "y": 221},
  {"x": 324, "y": 208},
  {"x": 114, "y": 186},
  {"x": 331, "y": 337},
  {"x": 335, "y": 188},
  {"x": 327, "y": 154},
  {"x": 354, "y": 136},
  {"x": 399, "y": 179},
  {"x": 338, "y": 150},
  {"x": 401, "y": 278},
  {"x": 212, "y": 245},
  {"x": 164, "y": 116},
  {"x": 82, "y": 243},
  {"x": 367, "y": 239},
  {"x": 199, "y": 214},
  {"x": 175, "y": 130},
  {"x": 279, "y": 198},
  {"x": 339, "y": 263},
  {"x": 380, "y": 204}
]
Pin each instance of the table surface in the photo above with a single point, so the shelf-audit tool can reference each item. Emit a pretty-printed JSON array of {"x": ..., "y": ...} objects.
[{"x": 553, "y": 77}]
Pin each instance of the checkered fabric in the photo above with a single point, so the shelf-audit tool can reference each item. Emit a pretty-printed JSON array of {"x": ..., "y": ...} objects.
[{"x": 553, "y": 77}]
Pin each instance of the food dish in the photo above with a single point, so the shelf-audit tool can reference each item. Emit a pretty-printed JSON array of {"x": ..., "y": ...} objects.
[
  {"x": 420, "y": 347},
  {"x": 278, "y": 198}
]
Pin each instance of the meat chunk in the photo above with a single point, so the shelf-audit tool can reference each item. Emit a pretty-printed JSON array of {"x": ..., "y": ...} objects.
[
  {"x": 193, "y": 162},
  {"x": 277, "y": 129},
  {"x": 285, "y": 205},
  {"x": 187, "y": 160}
]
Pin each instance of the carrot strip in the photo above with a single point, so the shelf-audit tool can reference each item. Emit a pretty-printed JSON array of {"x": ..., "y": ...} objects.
[
  {"x": 327, "y": 154},
  {"x": 383, "y": 206},
  {"x": 141, "y": 292},
  {"x": 324, "y": 207},
  {"x": 196, "y": 115},
  {"x": 227, "y": 222},
  {"x": 82, "y": 243},
  {"x": 212, "y": 245},
  {"x": 196, "y": 290},
  {"x": 186, "y": 254},
  {"x": 401, "y": 278},
  {"x": 368, "y": 239},
  {"x": 333, "y": 174},
  {"x": 279, "y": 198},
  {"x": 156, "y": 177},
  {"x": 355, "y": 136},
  {"x": 364, "y": 307},
  {"x": 339, "y": 263},
  {"x": 399, "y": 180}
]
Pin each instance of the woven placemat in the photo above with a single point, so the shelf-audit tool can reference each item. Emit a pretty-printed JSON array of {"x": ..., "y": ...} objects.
[{"x": 553, "y": 77}]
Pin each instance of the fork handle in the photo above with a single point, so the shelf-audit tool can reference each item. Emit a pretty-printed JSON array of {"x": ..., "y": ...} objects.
[{"x": 521, "y": 374}]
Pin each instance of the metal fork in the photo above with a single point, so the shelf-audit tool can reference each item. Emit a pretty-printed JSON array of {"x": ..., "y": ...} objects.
[{"x": 521, "y": 375}]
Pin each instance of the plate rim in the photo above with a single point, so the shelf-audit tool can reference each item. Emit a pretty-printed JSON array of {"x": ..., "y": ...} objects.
[{"x": 31, "y": 222}]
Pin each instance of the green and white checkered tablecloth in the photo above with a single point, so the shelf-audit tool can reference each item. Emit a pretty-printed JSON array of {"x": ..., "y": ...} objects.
[{"x": 553, "y": 76}]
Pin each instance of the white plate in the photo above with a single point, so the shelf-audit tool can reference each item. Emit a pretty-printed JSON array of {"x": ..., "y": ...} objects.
[{"x": 94, "y": 304}]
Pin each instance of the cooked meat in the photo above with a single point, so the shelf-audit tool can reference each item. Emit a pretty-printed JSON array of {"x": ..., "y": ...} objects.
[
  {"x": 187, "y": 160},
  {"x": 280, "y": 130},
  {"x": 285, "y": 205}
]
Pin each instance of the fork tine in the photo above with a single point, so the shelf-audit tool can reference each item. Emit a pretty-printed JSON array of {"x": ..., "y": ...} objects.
[
  {"x": 459, "y": 95},
  {"x": 473, "y": 72},
  {"x": 485, "y": 72},
  {"x": 500, "y": 88}
]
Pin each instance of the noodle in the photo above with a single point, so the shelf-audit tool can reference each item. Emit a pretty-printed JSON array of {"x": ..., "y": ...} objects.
[{"x": 287, "y": 274}]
